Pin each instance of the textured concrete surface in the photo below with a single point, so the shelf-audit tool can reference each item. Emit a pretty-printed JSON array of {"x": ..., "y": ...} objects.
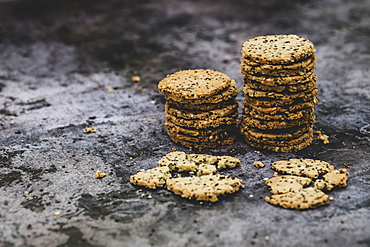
[{"x": 67, "y": 65}]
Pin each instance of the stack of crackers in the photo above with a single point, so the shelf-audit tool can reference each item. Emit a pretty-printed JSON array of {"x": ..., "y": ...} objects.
[
  {"x": 201, "y": 109},
  {"x": 280, "y": 92}
]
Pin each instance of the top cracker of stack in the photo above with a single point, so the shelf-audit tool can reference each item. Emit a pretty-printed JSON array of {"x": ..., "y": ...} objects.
[
  {"x": 201, "y": 110},
  {"x": 280, "y": 92}
]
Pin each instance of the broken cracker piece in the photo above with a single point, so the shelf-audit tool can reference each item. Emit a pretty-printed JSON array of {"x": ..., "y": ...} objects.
[
  {"x": 336, "y": 178},
  {"x": 287, "y": 183},
  {"x": 306, "y": 167},
  {"x": 152, "y": 178},
  {"x": 258, "y": 164},
  {"x": 204, "y": 188},
  {"x": 99, "y": 174},
  {"x": 302, "y": 199},
  {"x": 324, "y": 138}
]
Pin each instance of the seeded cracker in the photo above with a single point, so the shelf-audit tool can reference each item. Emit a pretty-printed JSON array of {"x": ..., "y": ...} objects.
[
  {"x": 263, "y": 68},
  {"x": 259, "y": 71},
  {"x": 204, "y": 106},
  {"x": 224, "y": 95},
  {"x": 194, "y": 84},
  {"x": 196, "y": 115},
  {"x": 306, "y": 167},
  {"x": 282, "y": 135},
  {"x": 277, "y": 49},
  {"x": 227, "y": 162},
  {"x": 287, "y": 183},
  {"x": 152, "y": 178},
  {"x": 205, "y": 145},
  {"x": 180, "y": 161},
  {"x": 285, "y": 115},
  {"x": 336, "y": 178},
  {"x": 204, "y": 188},
  {"x": 175, "y": 129},
  {"x": 302, "y": 199},
  {"x": 287, "y": 88}
]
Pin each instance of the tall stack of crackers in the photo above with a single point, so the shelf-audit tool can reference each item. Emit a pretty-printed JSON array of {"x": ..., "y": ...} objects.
[
  {"x": 280, "y": 92},
  {"x": 201, "y": 109}
]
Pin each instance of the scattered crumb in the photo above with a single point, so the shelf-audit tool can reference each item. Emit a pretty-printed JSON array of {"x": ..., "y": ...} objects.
[
  {"x": 99, "y": 174},
  {"x": 110, "y": 90},
  {"x": 135, "y": 78},
  {"x": 149, "y": 196},
  {"x": 173, "y": 149},
  {"x": 152, "y": 102},
  {"x": 26, "y": 193},
  {"x": 324, "y": 138},
  {"x": 153, "y": 117},
  {"x": 139, "y": 88},
  {"x": 57, "y": 213},
  {"x": 89, "y": 130},
  {"x": 258, "y": 164},
  {"x": 347, "y": 165}
]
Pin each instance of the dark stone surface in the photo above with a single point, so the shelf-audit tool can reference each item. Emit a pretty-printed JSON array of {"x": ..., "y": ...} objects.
[{"x": 59, "y": 59}]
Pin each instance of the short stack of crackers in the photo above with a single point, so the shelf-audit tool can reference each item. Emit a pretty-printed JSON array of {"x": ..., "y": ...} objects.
[
  {"x": 201, "y": 109},
  {"x": 280, "y": 92}
]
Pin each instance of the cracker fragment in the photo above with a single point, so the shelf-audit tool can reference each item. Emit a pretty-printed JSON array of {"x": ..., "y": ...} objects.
[
  {"x": 306, "y": 167},
  {"x": 258, "y": 164},
  {"x": 324, "y": 138},
  {"x": 287, "y": 183},
  {"x": 302, "y": 199},
  {"x": 336, "y": 178},
  {"x": 180, "y": 161},
  {"x": 227, "y": 162},
  {"x": 204, "y": 188},
  {"x": 99, "y": 174},
  {"x": 152, "y": 178}
]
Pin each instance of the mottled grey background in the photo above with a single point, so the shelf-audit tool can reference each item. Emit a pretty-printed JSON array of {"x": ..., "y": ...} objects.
[{"x": 59, "y": 60}]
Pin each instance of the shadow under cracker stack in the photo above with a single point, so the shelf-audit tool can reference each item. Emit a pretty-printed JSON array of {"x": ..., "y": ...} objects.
[
  {"x": 280, "y": 92},
  {"x": 201, "y": 109}
]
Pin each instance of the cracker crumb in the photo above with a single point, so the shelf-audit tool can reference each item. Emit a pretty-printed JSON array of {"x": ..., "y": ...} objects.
[
  {"x": 135, "y": 78},
  {"x": 139, "y": 88},
  {"x": 153, "y": 117},
  {"x": 89, "y": 130},
  {"x": 258, "y": 164},
  {"x": 26, "y": 193},
  {"x": 324, "y": 138},
  {"x": 110, "y": 90},
  {"x": 57, "y": 213},
  {"x": 173, "y": 149},
  {"x": 99, "y": 174}
]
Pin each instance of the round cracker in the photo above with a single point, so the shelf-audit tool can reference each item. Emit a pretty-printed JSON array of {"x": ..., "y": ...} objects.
[
  {"x": 277, "y": 49},
  {"x": 194, "y": 84}
]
